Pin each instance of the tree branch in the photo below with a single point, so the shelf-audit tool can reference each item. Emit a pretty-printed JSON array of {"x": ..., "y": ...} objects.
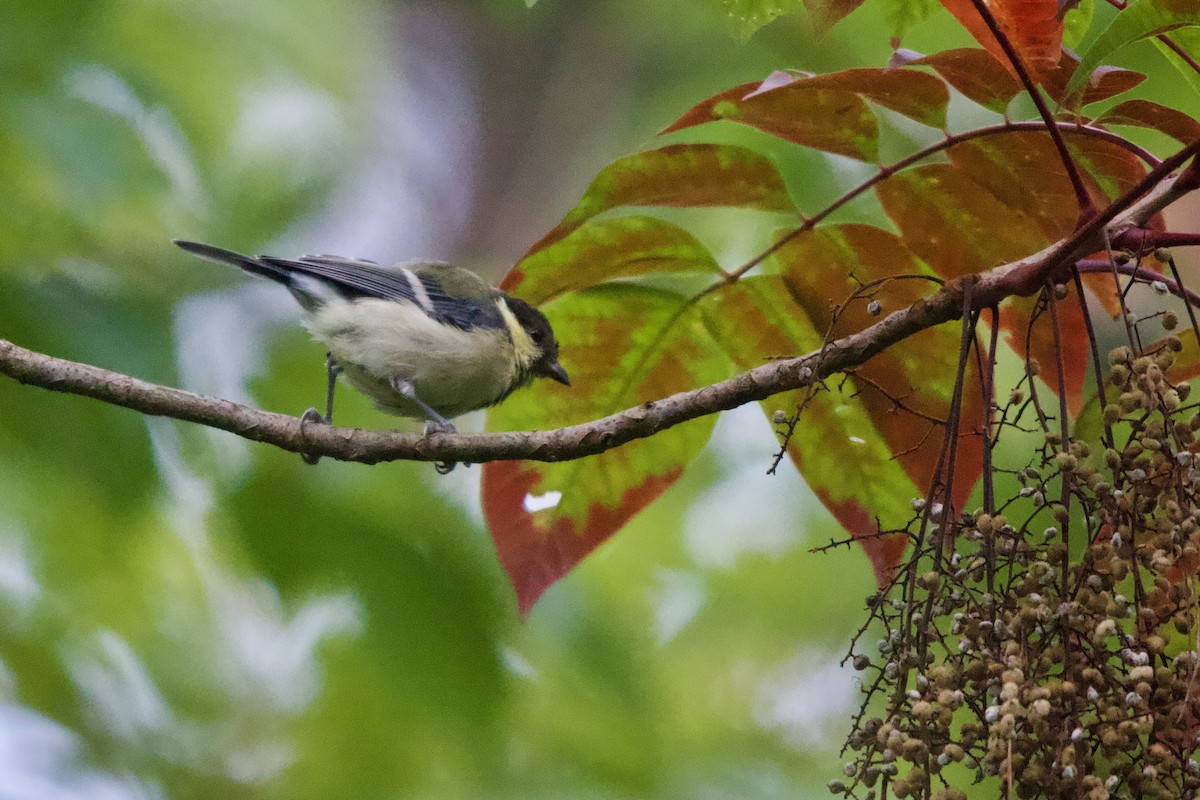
[{"x": 577, "y": 441}]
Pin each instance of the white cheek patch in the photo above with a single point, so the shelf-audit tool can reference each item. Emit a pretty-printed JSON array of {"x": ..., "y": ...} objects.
[{"x": 525, "y": 349}]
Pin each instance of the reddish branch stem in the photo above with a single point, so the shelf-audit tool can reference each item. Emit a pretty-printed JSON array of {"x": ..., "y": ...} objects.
[
  {"x": 1082, "y": 198},
  {"x": 1137, "y": 272},
  {"x": 1164, "y": 193},
  {"x": 1184, "y": 55},
  {"x": 351, "y": 444},
  {"x": 945, "y": 144},
  {"x": 1143, "y": 240}
]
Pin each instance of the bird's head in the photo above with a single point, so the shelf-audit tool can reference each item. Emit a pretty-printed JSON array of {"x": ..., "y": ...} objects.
[{"x": 542, "y": 359}]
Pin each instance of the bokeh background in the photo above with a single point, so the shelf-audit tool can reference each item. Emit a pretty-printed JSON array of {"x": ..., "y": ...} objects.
[{"x": 185, "y": 614}]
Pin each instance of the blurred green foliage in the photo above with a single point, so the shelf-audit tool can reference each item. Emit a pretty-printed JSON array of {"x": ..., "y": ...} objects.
[{"x": 185, "y": 615}]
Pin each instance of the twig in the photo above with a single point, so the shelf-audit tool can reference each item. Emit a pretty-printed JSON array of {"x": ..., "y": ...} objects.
[{"x": 351, "y": 444}]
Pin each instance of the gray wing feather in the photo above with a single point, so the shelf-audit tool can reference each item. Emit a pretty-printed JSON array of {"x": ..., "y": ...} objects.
[{"x": 354, "y": 278}]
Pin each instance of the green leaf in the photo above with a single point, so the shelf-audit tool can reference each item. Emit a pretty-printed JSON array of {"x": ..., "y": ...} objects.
[
  {"x": 836, "y": 446},
  {"x": 1189, "y": 40},
  {"x": 600, "y": 250},
  {"x": 827, "y": 13},
  {"x": 623, "y": 345},
  {"x": 748, "y": 16},
  {"x": 910, "y": 386},
  {"x": 902, "y": 16},
  {"x": 1077, "y": 23},
  {"x": 1139, "y": 20}
]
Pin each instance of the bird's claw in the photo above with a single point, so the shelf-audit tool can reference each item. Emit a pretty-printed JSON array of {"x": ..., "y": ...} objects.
[
  {"x": 435, "y": 427},
  {"x": 309, "y": 417}
]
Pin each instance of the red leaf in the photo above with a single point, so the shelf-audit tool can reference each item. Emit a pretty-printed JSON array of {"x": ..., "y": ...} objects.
[
  {"x": 535, "y": 556},
  {"x": 976, "y": 73},
  {"x": 829, "y": 119},
  {"x": 916, "y": 95},
  {"x": 1104, "y": 82},
  {"x": 1015, "y": 318},
  {"x": 623, "y": 345},
  {"x": 1032, "y": 26},
  {"x": 826, "y": 112},
  {"x": 1147, "y": 114}
]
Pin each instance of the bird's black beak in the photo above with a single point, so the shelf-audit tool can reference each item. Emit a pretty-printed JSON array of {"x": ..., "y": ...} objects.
[{"x": 559, "y": 374}]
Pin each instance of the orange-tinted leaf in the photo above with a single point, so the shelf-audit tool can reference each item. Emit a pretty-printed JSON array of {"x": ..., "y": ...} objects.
[
  {"x": 910, "y": 386},
  {"x": 1104, "y": 289},
  {"x": 833, "y": 120},
  {"x": 1108, "y": 169},
  {"x": 600, "y": 250},
  {"x": 836, "y": 447},
  {"x": 916, "y": 95},
  {"x": 680, "y": 176},
  {"x": 1148, "y": 114},
  {"x": 951, "y": 224},
  {"x": 1015, "y": 318},
  {"x": 1024, "y": 172},
  {"x": 704, "y": 112},
  {"x": 1108, "y": 82},
  {"x": 622, "y": 345},
  {"x": 1032, "y": 26},
  {"x": 826, "y": 112},
  {"x": 1187, "y": 362},
  {"x": 1105, "y": 82},
  {"x": 1000, "y": 198},
  {"x": 976, "y": 73}
]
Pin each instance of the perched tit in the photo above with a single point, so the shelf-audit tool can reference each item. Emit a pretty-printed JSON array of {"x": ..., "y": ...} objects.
[{"x": 422, "y": 339}]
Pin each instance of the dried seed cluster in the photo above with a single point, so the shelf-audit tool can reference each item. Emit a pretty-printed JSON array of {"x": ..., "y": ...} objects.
[{"x": 1049, "y": 645}]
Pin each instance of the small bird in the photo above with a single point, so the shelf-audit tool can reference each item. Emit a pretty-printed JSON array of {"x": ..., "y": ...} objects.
[{"x": 422, "y": 339}]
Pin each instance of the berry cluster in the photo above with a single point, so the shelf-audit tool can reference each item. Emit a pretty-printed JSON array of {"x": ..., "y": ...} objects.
[{"x": 1049, "y": 645}]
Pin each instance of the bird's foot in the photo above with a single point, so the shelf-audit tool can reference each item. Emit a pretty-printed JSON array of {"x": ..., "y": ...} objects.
[
  {"x": 439, "y": 427},
  {"x": 311, "y": 417}
]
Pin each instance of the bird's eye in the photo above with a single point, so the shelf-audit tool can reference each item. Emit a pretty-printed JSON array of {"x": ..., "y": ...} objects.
[{"x": 537, "y": 336}]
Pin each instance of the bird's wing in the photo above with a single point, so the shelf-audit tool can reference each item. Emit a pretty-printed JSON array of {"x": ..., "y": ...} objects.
[{"x": 414, "y": 283}]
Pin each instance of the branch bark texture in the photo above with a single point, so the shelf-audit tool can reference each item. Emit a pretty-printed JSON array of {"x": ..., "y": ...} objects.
[{"x": 354, "y": 444}]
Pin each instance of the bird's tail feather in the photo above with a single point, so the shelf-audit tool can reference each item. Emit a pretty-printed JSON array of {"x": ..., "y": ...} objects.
[{"x": 254, "y": 266}]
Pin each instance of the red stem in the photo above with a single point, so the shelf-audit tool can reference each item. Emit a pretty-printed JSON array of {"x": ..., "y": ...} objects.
[
  {"x": 1179, "y": 51},
  {"x": 958, "y": 138},
  {"x": 1143, "y": 240},
  {"x": 1086, "y": 208},
  {"x": 1026, "y": 279},
  {"x": 1135, "y": 271}
]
